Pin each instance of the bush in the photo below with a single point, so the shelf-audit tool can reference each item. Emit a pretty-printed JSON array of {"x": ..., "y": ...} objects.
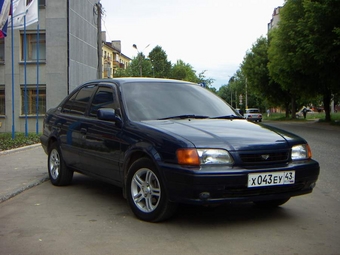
[{"x": 7, "y": 143}]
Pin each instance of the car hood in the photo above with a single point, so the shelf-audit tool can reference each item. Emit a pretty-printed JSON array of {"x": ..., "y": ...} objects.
[{"x": 228, "y": 134}]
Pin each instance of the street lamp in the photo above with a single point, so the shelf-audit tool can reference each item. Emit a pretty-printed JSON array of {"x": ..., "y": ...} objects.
[
  {"x": 140, "y": 58},
  {"x": 246, "y": 93}
]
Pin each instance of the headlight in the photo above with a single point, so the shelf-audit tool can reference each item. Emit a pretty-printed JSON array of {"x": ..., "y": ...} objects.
[
  {"x": 203, "y": 156},
  {"x": 301, "y": 151}
]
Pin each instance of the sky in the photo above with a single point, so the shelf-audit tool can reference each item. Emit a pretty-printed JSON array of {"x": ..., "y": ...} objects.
[{"x": 210, "y": 35}]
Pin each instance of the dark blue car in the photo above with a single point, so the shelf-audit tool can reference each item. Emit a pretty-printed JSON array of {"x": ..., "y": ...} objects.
[{"x": 166, "y": 142}]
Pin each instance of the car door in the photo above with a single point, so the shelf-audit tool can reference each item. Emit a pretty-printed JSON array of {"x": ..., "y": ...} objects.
[
  {"x": 71, "y": 125},
  {"x": 101, "y": 142}
]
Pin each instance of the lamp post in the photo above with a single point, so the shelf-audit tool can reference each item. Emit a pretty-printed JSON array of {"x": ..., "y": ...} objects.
[
  {"x": 246, "y": 93},
  {"x": 140, "y": 58}
]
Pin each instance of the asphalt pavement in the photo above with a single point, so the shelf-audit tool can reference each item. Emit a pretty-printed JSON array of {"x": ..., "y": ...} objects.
[{"x": 21, "y": 169}]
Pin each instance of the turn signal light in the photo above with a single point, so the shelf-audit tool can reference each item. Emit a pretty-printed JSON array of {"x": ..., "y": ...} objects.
[{"x": 188, "y": 157}]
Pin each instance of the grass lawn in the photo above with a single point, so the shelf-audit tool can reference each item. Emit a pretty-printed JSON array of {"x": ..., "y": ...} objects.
[
  {"x": 335, "y": 117},
  {"x": 7, "y": 143}
]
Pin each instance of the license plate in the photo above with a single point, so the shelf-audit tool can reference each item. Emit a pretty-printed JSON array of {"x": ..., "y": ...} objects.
[{"x": 271, "y": 179}]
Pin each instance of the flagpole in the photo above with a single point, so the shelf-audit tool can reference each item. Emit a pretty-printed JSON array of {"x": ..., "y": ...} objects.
[
  {"x": 37, "y": 90},
  {"x": 25, "y": 75},
  {"x": 12, "y": 45}
]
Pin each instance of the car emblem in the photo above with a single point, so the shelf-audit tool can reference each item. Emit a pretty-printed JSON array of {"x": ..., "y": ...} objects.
[{"x": 265, "y": 157}]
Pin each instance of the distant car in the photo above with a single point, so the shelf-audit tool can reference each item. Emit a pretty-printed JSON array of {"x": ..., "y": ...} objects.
[
  {"x": 253, "y": 114},
  {"x": 166, "y": 142},
  {"x": 299, "y": 113}
]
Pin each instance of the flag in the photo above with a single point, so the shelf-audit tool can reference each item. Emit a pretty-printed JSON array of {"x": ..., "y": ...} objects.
[
  {"x": 32, "y": 12},
  {"x": 22, "y": 8},
  {"x": 5, "y": 6},
  {"x": 18, "y": 12}
]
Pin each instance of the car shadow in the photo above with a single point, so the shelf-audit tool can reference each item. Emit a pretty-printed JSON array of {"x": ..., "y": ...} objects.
[
  {"x": 230, "y": 214},
  {"x": 227, "y": 214}
]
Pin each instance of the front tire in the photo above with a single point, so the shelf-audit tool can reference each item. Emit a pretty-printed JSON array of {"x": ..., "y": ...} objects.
[
  {"x": 59, "y": 173},
  {"x": 146, "y": 193}
]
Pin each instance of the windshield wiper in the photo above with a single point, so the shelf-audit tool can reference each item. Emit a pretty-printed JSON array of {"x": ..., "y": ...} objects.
[
  {"x": 228, "y": 117},
  {"x": 185, "y": 116}
]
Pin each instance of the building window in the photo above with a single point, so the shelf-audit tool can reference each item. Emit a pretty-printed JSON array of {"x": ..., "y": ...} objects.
[
  {"x": 31, "y": 47},
  {"x": 2, "y": 49},
  {"x": 2, "y": 101},
  {"x": 31, "y": 100}
]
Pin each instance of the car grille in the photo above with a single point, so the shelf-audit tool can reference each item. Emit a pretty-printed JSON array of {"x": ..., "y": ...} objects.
[{"x": 263, "y": 158}]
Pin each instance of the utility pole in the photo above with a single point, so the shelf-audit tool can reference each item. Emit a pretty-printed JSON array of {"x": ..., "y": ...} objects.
[
  {"x": 246, "y": 93},
  {"x": 99, "y": 39}
]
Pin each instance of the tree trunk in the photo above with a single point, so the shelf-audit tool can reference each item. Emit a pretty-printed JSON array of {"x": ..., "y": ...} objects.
[
  {"x": 293, "y": 107},
  {"x": 287, "y": 109},
  {"x": 326, "y": 105}
]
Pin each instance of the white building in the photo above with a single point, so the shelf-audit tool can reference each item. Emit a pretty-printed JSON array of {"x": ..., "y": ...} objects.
[{"x": 275, "y": 18}]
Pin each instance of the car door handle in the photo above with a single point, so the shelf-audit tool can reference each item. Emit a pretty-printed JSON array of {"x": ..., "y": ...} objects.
[{"x": 83, "y": 131}]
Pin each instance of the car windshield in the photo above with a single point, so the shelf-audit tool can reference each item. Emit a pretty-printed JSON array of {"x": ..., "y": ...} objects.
[{"x": 156, "y": 101}]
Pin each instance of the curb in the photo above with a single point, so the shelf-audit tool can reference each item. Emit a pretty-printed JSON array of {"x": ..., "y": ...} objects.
[
  {"x": 22, "y": 189},
  {"x": 19, "y": 149}
]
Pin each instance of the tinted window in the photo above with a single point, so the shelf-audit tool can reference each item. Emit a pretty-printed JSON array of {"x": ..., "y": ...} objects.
[
  {"x": 104, "y": 98},
  {"x": 147, "y": 101},
  {"x": 253, "y": 111},
  {"x": 78, "y": 102}
]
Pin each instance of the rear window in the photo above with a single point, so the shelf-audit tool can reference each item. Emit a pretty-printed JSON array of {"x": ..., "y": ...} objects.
[{"x": 253, "y": 111}]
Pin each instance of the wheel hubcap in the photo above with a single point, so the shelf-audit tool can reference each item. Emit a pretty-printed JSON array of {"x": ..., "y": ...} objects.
[
  {"x": 54, "y": 164},
  {"x": 145, "y": 190}
]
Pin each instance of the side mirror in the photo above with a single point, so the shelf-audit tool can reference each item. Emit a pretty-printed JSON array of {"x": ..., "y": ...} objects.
[{"x": 108, "y": 114}]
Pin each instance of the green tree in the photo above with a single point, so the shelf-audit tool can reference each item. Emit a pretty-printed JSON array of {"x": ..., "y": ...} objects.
[
  {"x": 255, "y": 68},
  {"x": 121, "y": 72},
  {"x": 283, "y": 49},
  {"x": 160, "y": 64},
  {"x": 183, "y": 71},
  {"x": 304, "y": 50},
  {"x": 320, "y": 41},
  {"x": 139, "y": 66},
  {"x": 236, "y": 89},
  {"x": 206, "y": 81}
]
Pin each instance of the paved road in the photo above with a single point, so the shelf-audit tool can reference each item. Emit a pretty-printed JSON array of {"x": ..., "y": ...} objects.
[
  {"x": 324, "y": 141},
  {"x": 90, "y": 217},
  {"x": 21, "y": 169}
]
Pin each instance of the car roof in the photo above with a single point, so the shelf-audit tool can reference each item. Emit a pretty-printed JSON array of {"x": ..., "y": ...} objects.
[{"x": 123, "y": 80}]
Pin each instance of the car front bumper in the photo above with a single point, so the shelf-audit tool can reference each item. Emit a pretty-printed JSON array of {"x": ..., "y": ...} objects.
[{"x": 216, "y": 187}]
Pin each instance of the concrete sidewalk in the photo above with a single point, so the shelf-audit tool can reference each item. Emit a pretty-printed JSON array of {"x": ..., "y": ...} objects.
[{"x": 21, "y": 169}]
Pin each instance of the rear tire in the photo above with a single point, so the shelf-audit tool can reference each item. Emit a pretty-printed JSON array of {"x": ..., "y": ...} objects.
[
  {"x": 146, "y": 193},
  {"x": 271, "y": 203},
  {"x": 59, "y": 173}
]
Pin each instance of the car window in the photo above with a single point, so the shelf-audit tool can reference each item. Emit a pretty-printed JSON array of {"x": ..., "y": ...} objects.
[
  {"x": 78, "y": 102},
  {"x": 105, "y": 97},
  {"x": 253, "y": 111},
  {"x": 151, "y": 101}
]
